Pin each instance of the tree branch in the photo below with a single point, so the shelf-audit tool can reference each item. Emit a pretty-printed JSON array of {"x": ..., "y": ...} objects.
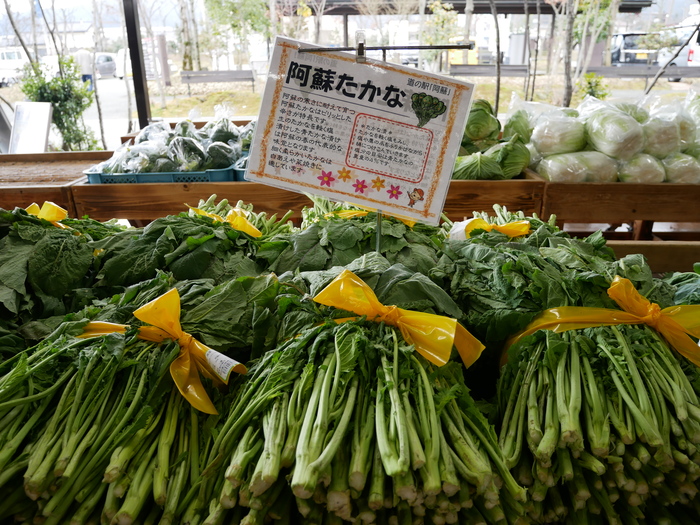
[{"x": 662, "y": 69}]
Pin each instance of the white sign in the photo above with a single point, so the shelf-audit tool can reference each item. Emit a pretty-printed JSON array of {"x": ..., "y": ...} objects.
[{"x": 374, "y": 134}]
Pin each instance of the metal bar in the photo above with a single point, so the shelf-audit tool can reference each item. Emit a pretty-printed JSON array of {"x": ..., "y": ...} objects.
[
  {"x": 133, "y": 35},
  {"x": 382, "y": 48}
]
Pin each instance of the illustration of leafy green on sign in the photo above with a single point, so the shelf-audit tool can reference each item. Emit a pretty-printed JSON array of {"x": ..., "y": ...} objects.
[{"x": 426, "y": 107}]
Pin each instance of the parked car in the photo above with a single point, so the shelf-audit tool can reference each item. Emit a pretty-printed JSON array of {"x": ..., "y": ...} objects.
[
  {"x": 687, "y": 56},
  {"x": 105, "y": 65},
  {"x": 12, "y": 61},
  {"x": 628, "y": 48}
]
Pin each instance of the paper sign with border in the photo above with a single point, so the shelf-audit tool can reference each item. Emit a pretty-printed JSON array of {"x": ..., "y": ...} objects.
[{"x": 375, "y": 134}]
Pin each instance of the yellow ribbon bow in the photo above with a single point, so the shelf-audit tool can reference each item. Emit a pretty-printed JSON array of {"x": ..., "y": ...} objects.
[
  {"x": 350, "y": 214},
  {"x": 236, "y": 218},
  {"x": 675, "y": 323},
  {"x": 512, "y": 229},
  {"x": 49, "y": 211},
  {"x": 432, "y": 335},
  {"x": 163, "y": 313}
]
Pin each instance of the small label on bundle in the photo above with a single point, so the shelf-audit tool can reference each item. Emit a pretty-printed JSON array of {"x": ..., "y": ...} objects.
[{"x": 221, "y": 364}]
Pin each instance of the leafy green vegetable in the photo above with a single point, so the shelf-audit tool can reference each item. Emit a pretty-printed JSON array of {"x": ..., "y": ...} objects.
[
  {"x": 518, "y": 124},
  {"x": 615, "y": 133},
  {"x": 477, "y": 166},
  {"x": 426, "y": 107},
  {"x": 513, "y": 156}
]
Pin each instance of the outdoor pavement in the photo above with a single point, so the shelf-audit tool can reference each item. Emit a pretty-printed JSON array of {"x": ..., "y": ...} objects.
[{"x": 112, "y": 93}]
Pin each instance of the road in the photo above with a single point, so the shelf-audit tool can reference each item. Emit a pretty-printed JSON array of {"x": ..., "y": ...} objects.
[{"x": 113, "y": 102}]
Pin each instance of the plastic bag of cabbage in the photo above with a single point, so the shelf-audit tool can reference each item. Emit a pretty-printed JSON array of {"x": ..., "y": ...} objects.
[
  {"x": 555, "y": 132},
  {"x": 580, "y": 166}
]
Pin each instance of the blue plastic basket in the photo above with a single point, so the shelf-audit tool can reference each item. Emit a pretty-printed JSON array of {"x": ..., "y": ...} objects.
[{"x": 220, "y": 175}]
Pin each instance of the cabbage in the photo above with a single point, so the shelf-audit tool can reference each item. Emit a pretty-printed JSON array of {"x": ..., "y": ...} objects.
[
  {"x": 581, "y": 166},
  {"x": 693, "y": 109},
  {"x": 518, "y": 124},
  {"x": 481, "y": 123},
  {"x": 615, "y": 133},
  {"x": 512, "y": 156},
  {"x": 535, "y": 156},
  {"x": 477, "y": 166},
  {"x": 693, "y": 150},
  {"x": 642, "y": 168},
  {"x": 661, "y": 136},
  {"x": 638, "y": 113},
  {"x": 570, "y": 112},
  {"x": 557, "y": 133},
  {"x": 682, "y": 168},
  {"x": 687, "y": 127}
]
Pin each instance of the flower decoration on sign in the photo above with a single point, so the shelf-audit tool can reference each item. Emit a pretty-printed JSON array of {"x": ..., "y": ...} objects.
[
  {"x": 344, "y": 174},
  {"x": 394, "y": 192},
  {"x": 378, "y": 183},
  {"x": 326, "y": 178},
  {"x": 360, "y": 186}
]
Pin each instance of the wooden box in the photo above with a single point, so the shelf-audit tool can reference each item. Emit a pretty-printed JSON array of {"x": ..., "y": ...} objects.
[
  {"x": 150, "y": 201},
  {"x": 146, "y": 202},
  {"x": 38, "y": 177}
]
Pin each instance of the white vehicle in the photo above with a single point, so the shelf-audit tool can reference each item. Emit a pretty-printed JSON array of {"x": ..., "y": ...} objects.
[
  {"x": 12, "y": 61},
  {"x": 688, "y": 56}
]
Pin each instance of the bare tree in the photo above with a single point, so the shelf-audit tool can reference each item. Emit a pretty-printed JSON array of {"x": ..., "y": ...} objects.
[
  {"x": 291, "y": 17},
  {"x": 33, "y": 59},
  {"x": 537, "y": 51},
  {"x": 614, "y": 9},
  {"x": 378, "y": 9},
  {"x": 596, "y": 19},
  {"x": 494, "y": 12},
  {"x": 319, "y": 7},
  {"x": 526, "y": 46},
  {"x": 569, "y": 40}
]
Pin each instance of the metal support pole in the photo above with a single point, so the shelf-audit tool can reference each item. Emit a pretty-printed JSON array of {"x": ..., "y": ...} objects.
[{"x": 133, "y": 34}]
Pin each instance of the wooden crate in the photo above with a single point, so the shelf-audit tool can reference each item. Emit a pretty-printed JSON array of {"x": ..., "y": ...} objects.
[
  {"x": 38, "y": 177},
  {"x": 150, "y": 201},
  {"x": 146, "y": 202},
  {"x": 662, "y": 256},
  {"x": 618, "y": 202},
  {"x": 467, "y": 196}
]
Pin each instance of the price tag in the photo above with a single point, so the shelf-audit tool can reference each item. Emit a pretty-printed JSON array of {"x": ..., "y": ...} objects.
[
  {"x": 375, "y": 134},
  {"x": 221, "y": 364}
]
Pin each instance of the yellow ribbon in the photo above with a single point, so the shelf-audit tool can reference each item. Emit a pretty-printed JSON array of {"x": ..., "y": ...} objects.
[
  {"x": 432, "y": 335},
  {"x": 675, "y": 323},
  {"x": 49, "y": 211},
  {"x": 236, "y": 218},
  {"x": 163, "y": 313},
  {"x": 351, "y": 214},
  {"x": 512, "y": 229}
]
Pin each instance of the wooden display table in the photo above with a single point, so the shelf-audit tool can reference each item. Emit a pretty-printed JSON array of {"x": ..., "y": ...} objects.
[
  {"x": 38, "y": 177},
  {"x": 150, "y": 201}
]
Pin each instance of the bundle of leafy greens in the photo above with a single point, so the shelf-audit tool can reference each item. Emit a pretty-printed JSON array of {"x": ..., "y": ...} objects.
[
  {"x": 591, "y": 421},
  {"x": 345, "y": 419},
  {"x": 327, "y": 238},
  {"x": 189, "y": 245},
  {"x": 45, "y": 272}
]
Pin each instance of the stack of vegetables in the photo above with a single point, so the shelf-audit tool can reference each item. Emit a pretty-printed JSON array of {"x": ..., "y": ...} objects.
[
  {"x": 648, "y": 142},
  {"x": 158, "y": 148},
  {"x": 340, "y": 416},
  {"x": 482, "y": 155},
  {"x": 600, "y": 424}
]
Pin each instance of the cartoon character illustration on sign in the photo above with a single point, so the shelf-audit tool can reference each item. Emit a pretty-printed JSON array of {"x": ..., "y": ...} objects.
[
  {"x": 426, "y": 107},
  {"x": 414, "y": 196}
]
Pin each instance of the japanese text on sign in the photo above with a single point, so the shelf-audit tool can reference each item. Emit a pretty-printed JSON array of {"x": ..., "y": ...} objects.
[{"x": 374, "y": 134}]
